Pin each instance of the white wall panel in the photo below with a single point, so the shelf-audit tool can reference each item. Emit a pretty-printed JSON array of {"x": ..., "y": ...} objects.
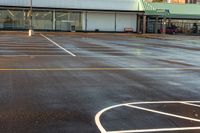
[
  {"x": 15, "y": 2},
  {"x": 126, "y": 20},
  {"x": 101, "y": 21},
  {"x": 132, "y": 5}
]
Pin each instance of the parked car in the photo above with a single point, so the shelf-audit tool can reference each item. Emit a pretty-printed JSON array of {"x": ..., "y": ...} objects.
[{"x": 169, "y": 30}]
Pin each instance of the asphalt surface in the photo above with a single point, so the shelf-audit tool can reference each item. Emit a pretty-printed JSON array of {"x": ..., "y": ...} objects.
[{"x": 44, "y": 89}]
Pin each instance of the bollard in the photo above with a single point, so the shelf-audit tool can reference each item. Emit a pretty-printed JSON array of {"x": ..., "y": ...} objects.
[{"x": 30, "y": 33}]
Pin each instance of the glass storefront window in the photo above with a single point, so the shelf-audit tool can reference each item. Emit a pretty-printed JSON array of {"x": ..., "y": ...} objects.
[
  {"x": 65, "y": 20},
  {"x": 13, "y": 19},
  {"x": 62, "y": 21},
  {"x": 76, "y": 18},
  {"x": 187, "y": 26},
  {"x": 42, "y": 20},
  {"x": 181, "y": 25}
]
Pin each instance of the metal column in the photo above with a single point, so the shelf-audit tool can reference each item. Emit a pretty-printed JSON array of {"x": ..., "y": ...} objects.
[
  {"x": 115, "y": 21},
  {"x": 144, "y": 24},
  {"x": 54, "y": 20},
  {"x": 30, "y": 15},
  {"x": 86, "y": 20},
  {"x": 156, "y": 25},
  {"x": 164, "y": 25},
  {"x": 138, "y": 24}
]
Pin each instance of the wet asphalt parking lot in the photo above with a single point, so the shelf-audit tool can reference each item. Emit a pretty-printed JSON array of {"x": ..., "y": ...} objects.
[{"x": 92, "y": 83}]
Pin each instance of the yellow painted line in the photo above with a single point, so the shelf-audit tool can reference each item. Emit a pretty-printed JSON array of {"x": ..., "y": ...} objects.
[
  {"x": 96, "y": 69},
  {"x": 31, "y": 55},
  {"x": 69, "y": 56},
  {"x": 27, "y": 48},
  {"x": 39, "y": 51},
  {"x": 28, "y": 51}
]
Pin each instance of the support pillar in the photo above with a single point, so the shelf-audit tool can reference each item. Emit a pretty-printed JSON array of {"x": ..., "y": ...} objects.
[
  {"x": 138, "y": 24},
  {"x": 30, "y": 14},
  {"x": 156, "y": 25},
  {"x": 54, "y": 20},
  {"x": 115, "y": 21},
  {"x": 170, "y": 22},
  {"x": 164, "y": 25},
  {"x": 86, "y": 21},
  {"x": 144, "y": 24}
]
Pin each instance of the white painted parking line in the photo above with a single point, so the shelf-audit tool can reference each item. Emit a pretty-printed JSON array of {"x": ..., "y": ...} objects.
[
  {"x": 157, "y": 102},
  {"x": 162, "y": 113},
  {"x": 156, "y": 130},
  {"x": 191, "y": 104},
  {"x": 133, "y": 105},
  {"x": 58, "y": 45}
]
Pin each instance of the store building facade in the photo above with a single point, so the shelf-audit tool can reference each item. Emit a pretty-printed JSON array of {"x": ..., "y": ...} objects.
[
  {"x": 62, "y": 15},
  {"x": 98, "y": 15},
  {"x": 179, "y": 18}
]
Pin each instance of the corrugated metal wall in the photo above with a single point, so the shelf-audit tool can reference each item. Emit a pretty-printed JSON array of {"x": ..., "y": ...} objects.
[{"x": 132, "y": 5}]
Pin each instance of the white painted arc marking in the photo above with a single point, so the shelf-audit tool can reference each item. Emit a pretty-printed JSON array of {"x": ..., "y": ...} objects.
[
  {"x": 58, "y": 45},
  {"x": 163, "y": 113},
  {"x": 156, "y": 102},
  {"x": 98, "y": 115},
  {"x": 191, "y": 104},
  {"x": 156, "y": 130}
]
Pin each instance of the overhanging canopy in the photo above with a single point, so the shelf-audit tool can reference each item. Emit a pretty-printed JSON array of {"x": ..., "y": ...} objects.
[{"x": 179, "y": 11}]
